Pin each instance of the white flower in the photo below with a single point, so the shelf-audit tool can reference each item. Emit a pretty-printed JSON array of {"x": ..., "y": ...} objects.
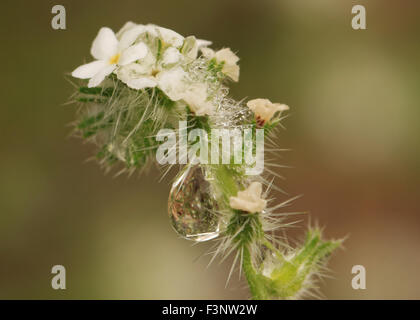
[
  {"x": 127, "y": 26},
  {"x": 249, "y": 199},
  {"x": 196, "y": 98},
  {"x": 264, "y": 109},
  {"x": 148, "y": 74},
  {"x": 109, "y": 53},
  {"x": 170, "y": 37},
  {"x": 171, "y": 82},
  {"x": 137, "y": 76},
  {"x": 228, "y": 58},
  {"x": 130, "y": 32},
  {"x": 171, "y": 56},
  {"x": 192, "y": 45},
  {"x": 161, "y": 66}
]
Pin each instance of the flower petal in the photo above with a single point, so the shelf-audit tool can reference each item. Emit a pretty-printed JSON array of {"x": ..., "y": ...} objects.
[
  {"x": 249, "y": 199},
  {"x": 265, "y": 109},
  {"x": 171, "y": 82},
  {"x": 141, "y": 83},
  {"x": 105, "y": 44},
  {"x": 203, "y": 43},
  {"x": 207, "y": 52},
  {"x": 100, "y": 76},
  {"x": 232, "y": 71},
  {"x": 133, "y": 71},
  {"x": 170, "y": 37},
  {"x": 130, "y": 35},
  {"x": 127, "y": 26},
  {"x": 226, "y": 55},
  {"x": 133, "y": 53},
  {"x": 196, "y": 98},
  {"x": 88, "y": 70},
  {"x": 171, "y": 56},
  {"x": 230, "y": 67},
  {"x": 190, "y": 47},
  {"x": 151, "y": 30}
]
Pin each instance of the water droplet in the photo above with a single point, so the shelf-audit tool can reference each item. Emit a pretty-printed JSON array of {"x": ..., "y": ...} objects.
[{"x": 192, "y": 206}]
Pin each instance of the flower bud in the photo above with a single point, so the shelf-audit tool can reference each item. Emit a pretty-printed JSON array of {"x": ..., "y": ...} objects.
[
  {"x": 264, "y": 109},
  {"x": 249, "y": 199}
]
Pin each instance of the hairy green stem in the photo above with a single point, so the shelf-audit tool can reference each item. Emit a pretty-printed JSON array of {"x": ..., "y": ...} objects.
[
  {"x": 256, "y": 288},
  {"x": 225, "y": 180}
]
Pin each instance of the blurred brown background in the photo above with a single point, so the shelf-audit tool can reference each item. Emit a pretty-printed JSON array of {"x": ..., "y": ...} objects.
[{"x": 354, "y": 133}]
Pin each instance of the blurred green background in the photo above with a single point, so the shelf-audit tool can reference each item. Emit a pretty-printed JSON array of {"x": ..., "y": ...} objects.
[{"x": 354, "y": 133}]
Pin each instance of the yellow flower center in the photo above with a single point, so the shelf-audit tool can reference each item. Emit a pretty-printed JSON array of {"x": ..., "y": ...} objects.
[{"x": 114, "y": 59}]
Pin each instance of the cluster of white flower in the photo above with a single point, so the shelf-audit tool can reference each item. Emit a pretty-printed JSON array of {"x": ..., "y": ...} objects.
[{"x": 147, "y": 56}]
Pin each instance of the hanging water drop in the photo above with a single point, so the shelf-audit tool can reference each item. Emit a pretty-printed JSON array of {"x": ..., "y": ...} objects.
[{"x": 192, "y": 206}]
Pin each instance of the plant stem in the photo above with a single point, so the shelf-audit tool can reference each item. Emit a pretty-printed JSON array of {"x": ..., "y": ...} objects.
[
  {"x": 256, "y": 282},
  {"x": 251, "y": 231}
]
